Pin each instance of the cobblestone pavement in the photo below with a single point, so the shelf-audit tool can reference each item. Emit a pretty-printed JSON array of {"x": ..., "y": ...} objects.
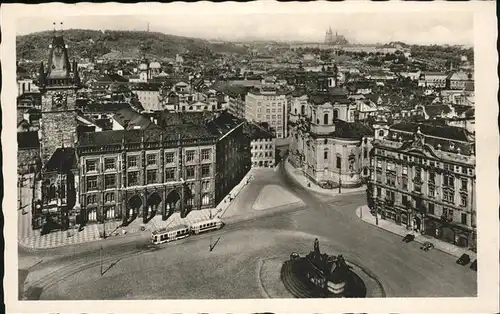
[
  {"x": 31, "y": 239},
  {"x": 298, "y": 176},
  {"x": 364, "y": 214}
]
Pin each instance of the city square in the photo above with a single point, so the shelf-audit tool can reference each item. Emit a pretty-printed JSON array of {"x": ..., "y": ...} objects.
[{"x": 172, "y": 270}]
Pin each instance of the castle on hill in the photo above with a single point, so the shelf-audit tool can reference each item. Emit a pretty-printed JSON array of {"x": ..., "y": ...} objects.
[{"x": 336, "y": 39}]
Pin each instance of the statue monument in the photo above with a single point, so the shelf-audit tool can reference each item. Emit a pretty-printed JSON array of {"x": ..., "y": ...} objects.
[{"x": 325, "y": 276}]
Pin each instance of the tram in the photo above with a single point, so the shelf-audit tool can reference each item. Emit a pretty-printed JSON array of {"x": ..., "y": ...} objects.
[
  {"x": 206, "y": 225},
  {"x": 170, "y": 234}
]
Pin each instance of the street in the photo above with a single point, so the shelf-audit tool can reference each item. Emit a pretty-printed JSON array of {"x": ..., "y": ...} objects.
[{"x": 188, "y": 269}]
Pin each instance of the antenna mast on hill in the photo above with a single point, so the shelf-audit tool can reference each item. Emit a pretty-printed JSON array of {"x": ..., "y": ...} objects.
[{"x": 148, "y": 28}]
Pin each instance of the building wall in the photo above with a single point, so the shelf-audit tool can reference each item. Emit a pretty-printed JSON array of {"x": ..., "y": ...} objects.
[
  {"x": 27, "y": 160},
  {"x": 149, "y": 99},
  {"x": 236, "y": 107},
  {"x": 58, "y": 125},
  {"x": 263, "y": 152},
  {"x": 233, "y": 161},
  {"x": 336, "y": 160},
  {"x": 270, "y": 108}
]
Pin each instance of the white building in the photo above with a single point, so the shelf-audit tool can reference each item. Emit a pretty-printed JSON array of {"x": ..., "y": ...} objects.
[{"x": 268, "y": 105}]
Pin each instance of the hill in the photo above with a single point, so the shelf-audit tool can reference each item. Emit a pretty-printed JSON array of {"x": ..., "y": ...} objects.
[{"x": 91, "y": 43}]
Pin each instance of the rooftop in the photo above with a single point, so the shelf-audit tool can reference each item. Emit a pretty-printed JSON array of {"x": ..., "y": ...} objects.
[
  {"x": 63, "y": 159},
  {"x": 439, "y": 131}
]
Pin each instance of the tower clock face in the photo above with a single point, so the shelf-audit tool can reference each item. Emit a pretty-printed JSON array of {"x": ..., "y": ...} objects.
[{"x": 59, "y": 100}]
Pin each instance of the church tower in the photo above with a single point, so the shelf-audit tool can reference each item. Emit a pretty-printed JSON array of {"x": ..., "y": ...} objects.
[{"x": 59, "y": 82}]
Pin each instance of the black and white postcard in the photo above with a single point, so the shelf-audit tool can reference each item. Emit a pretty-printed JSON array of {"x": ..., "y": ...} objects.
[{"x": 250, "y": 157}]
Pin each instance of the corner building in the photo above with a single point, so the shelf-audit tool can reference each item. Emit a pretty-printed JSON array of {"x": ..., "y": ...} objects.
[
  {"x": 423, "y": 177},
  {"x": 190, "y": 163}
]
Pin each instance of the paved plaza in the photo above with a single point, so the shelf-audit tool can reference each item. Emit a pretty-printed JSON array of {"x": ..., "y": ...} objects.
[{"x": 231, "y": 269}]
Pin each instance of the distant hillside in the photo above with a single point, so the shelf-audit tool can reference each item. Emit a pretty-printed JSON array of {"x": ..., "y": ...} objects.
[{"x": 92, "y": 43}]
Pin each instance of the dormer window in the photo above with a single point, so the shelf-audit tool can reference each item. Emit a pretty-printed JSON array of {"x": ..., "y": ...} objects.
[{"x": 452, "y": 146}]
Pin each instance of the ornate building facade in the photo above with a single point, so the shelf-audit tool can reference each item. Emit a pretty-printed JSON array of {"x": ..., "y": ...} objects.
[
  {"x": 423, "y": 177},
  {"x": 325, "y": 143}
]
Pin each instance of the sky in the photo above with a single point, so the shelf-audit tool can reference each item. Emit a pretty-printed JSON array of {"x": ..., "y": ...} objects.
[{"x": 364, "y": 28}]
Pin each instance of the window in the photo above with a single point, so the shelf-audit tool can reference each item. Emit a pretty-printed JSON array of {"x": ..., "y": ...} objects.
[
  {"x": 205, "y": 154},
  {"x": 417, "y": 188},
  {"x": 205, "y": 171},
  {"x": 190, "y": 172},
  {"x": 404, "y": 199},
  {"x": 448, "y": 196},
  {"x": 91, "y": 165},
  {"x": 432, "y": 191},
  {"x": 379, "y": 176},
  {"x": 92, "y": 183},
  {"x": 432, "y": 178},
  {"x": 206, "y": 185},
  {"x": 391, "y": 196},
  {"x": 205, "y": 200},
  {"x": 391, "y": 180},
  {"x": 431, "y": 208},
  {"x": 464, "y": 219},
  {"x": 109, "y": 181},
  {"x": 365, "y": 171},
  {"x": 92, "y": 199},
  {"x": 379, "y": 191},
  {"x": 404, "y": 181},
  {"x": 190, "y": 155},
  {"x": 109, "y": 164},
  {"x": 339, "y": 162},
  {"x": 448, "y": 180},
  {"x": 365, "y": 152},
  {"x": 169, "y": 174},
  {"x": 132, "y": 161},
  {"x": 151, "y": 159},
  {"x": 325, "y": 154},
  {"x": 418, "y": 174},
  {"x": 390, "y": 166},
  {"x": 463, "y": 200},
  {"x": 133, "y": 178},
  {"x": 448, "y": 214},
  {"x": 151, "y": 176},
  {"x": 169, "y": 157},
  {"x": 405, "y": 170},
  {"x": 464, "y": 184},
  {"x": 109, "y": 197},
  {"x": 379, "y": 164}
]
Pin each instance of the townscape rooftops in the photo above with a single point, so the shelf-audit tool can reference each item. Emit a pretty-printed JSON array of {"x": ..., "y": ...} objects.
[
  {"x": 28, "y": 140},
  {"x": 435, "y": 130},
  {"x": 130, "y": 119},
  {"x": 152, "y": 87},
  {"x": 320, "y": 98},
  {"x": 256, "y": 131},
  {"x": 437, "y": 110}
]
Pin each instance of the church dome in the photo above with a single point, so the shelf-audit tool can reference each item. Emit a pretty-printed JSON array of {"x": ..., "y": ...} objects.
[{"x": 155, "y": 65}]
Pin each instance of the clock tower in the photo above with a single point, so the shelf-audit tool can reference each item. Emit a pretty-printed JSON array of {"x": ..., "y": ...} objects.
[{"x": 59, "y": 82}]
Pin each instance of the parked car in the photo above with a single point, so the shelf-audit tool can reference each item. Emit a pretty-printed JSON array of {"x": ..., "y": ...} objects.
[
  {"x": 408, "y": 238},
  {"x": 426, "y": 246},
  {"x": 473, "y": 265},
  {"x": 463, "y": 260}
]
